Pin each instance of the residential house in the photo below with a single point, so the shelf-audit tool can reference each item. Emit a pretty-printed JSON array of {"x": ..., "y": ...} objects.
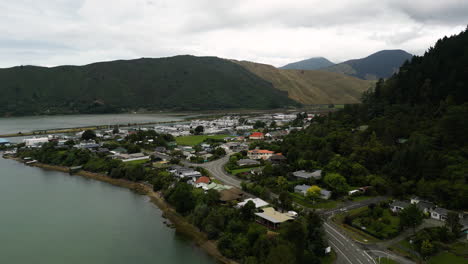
[
  {"x": 354, "y": 192},
  {"x": 184, "y": 172},
  {"x": 131, "y": 157},
  {"x": 257, "y": 154},
  {"x": 160, "y": 149},
  {"x": 202, "y": 182},
  {"x": 257, "y": 136},
  {"x": 4, "y": 142},
  {"x": 397, "y": 206},
  {"x": 307, "y": 175},
  {"x": 247, "y": 162},
  {"x": 439, "y": 213},
  {"x": 232, "y": 194},
  {"x": 325, "y": 194},
  {"x": 278, "y": 159},
  {"x": 256, "y": 171},
  {"x": 119, "y": 150},
  {"x": 302, "y": 189},
  {"x": 271, "y": 218},
  {"x": 425, "y": 206},
  {"x": 259, "y": 203}
]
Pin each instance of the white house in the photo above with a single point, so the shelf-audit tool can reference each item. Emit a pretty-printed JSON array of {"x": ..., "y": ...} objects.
[{"x": 439, "y": 214}]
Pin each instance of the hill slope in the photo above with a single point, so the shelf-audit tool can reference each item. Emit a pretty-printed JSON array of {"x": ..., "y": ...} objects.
[
  {"x": 181, "y": 82},
  {"x": 381, "y": 64},
  {"x": 312, "y": 87},
  {"x": 309, "y": 64}
]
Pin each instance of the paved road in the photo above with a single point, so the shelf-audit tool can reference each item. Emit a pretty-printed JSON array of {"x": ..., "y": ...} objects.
[
  {"x": 216, "y": 169},
  {"x": 348, "y": 251}
]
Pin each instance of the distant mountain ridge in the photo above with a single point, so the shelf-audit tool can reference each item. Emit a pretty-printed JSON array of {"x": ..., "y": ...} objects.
[
  {"x": 382, "y": 64},
  {"x": 312, "y": 87},
  {"x": 177, "y": 83},
  {"x": 309, "y": 64}
]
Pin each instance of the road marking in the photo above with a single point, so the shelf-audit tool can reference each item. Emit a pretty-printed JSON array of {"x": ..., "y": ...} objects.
[
  {"x": 373, "y": 261},
  {"x": 335, "y": 238},
  {"x": 345, "y": 239},
  {"x": 341, "y": 252}
]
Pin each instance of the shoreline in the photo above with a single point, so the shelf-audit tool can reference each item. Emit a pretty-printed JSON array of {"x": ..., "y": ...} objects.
[{"x": 179, "y": 222}]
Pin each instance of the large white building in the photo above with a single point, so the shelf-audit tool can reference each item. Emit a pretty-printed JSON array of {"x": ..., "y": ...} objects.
[{"x": 32, "y": 142}]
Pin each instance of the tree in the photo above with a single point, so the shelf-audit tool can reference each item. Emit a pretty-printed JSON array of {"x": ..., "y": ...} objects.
[
  {"x": 453, "y": 223},
  {"x": 427, "y": 248},
  {"x": 219, "y": 152},
  {"x": 281, "y": 254},
  {"x": 247, "y": 211},
  {"x": 282, "y": 183},
  {"x": 259, "y": 124},
  {"x": 336, "y": 182},
  {"x": 411, "y": 216},
  {"x": 199, "y": 130},
  {"x": 313, "y": 192},
  {"x": 88, "y": 134},
  {"x": 273, "y": 125},
  {"x": 285, "y": 200},
  {"x": 182, "y": 198},
  {"x": 115, "y": 130}
]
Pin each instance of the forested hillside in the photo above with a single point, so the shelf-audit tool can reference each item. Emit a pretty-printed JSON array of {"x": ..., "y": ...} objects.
[
  {"x": 410, "y": 135},
  {"x": 382, "y": 64},
  {"x": 177, "y": 83}
]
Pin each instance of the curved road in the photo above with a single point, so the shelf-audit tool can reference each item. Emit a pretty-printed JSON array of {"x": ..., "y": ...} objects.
[{"x": 348, "y": 251}]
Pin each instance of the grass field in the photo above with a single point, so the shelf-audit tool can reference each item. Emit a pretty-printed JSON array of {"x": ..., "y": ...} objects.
[
  {"x": 298, "y": 198},
  {"x": 236, "y": 171},
  {"x": 137, "y": 162},
  {"x": 195, "y": 140},
  {"x": 446, "y": 258}
]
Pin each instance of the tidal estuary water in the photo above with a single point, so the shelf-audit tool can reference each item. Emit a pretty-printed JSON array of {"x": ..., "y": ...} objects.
[
  {"x": 49, "y": 217},
  {"x": 30, "y": 123}
]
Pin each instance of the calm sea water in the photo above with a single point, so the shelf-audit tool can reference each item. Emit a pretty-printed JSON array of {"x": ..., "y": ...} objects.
[
  {"x": 31, "y": 123},
  {"x": 50, "y": 217}
]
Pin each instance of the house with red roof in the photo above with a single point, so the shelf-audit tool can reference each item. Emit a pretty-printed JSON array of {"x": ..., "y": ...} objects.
[
  {"x": 203, "y": 179},
  {"x": 257, "y": 136},
  {"x": 257, "y": 154}
]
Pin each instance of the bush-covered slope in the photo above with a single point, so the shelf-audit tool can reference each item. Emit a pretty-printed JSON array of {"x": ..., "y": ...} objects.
[
  {"x": 409, "y": 136},
  {"x": 312, "y": 87},
  {"x": 381, "y": 64},
  {"x": 181, "y": 82},
  {"x": 309, "y": 64}
]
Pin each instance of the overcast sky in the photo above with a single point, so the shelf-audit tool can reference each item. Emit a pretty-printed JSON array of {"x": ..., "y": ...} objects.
[{"x": 56, "y": 32}]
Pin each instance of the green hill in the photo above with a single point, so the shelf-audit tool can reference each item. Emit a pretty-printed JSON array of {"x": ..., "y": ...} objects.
[
  {"x": 408, "y": 137},
  {"x": 177, "y": 83},
  {"x": 381, "y": 64},
  {"x": 309, "y": 64},
  {"x": 312, "y": 87}
]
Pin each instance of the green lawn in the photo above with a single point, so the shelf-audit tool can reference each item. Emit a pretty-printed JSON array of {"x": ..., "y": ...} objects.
[
  {"x": 236, "y": 171},
  {"x": 195, "y": 140},
  {"x": 300, "y": 199},
  {"x": 361, "y": 198},
  {"x": 446, "y": 258},
  {"x": 137, "y": 162}
]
